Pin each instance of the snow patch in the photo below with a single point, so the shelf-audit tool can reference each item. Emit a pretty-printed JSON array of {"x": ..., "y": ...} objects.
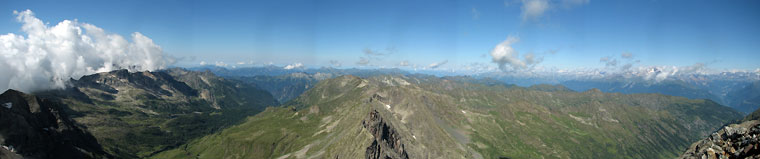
[{"x": 8, "y": 105}]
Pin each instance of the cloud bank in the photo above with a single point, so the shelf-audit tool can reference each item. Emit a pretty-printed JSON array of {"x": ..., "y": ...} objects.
[
  {"x": 48, "y": 56},
  {"x": 294, "y": 66}
]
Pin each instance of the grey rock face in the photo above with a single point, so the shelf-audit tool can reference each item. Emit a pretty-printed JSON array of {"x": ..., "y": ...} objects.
[
  {"x": 732, "y": 141},
  {"x": 387, "y": 143}
]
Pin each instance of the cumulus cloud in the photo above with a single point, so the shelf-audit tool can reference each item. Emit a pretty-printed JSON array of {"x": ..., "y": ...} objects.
[
  {"x": 435, "y": 65},
  {"x": 294, "y": 66},
  {"x": 503, "y": 54},
  {"x": 48, "y": 56},
  {"x": 508, "y": 58}
]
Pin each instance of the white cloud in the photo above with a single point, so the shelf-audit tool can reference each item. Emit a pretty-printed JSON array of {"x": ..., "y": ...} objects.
[
  {"x": 533, "y": 9},
  {"x": 220, "y": 64},
  {"x": 508, "y": 58},
  {"x": 241, "y": 63},
  {"x": 660, "y": 73},
  {"x": 203, "y": 63},
  {"x": 48, "y": 56},
  {"x": 435, "y": 65},
  {"x": 404, "y": 63},
  {"x": 294, "y": 66}
]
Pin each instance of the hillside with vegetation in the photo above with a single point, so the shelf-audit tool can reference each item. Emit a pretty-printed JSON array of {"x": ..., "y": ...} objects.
[
  {"x": 452, "y": 117},
  {"x": 135, "y": 114}
]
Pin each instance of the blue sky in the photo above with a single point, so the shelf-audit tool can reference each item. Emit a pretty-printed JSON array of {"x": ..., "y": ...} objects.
[{"x": 565, "y": 34}]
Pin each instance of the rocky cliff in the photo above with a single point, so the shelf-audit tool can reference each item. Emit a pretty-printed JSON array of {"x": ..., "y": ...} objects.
[
  {"x": 386, "y": 143},
  {"x": 32, "y": 127}
]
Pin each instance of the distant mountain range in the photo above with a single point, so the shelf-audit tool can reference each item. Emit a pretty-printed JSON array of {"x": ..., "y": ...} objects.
[{"x": 733, "y": 89}]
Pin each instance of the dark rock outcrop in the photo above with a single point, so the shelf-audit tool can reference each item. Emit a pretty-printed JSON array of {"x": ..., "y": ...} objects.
[
  {"x": 387, "y": 142},
  {"x": 731, "y": 141},
  {"x": 32, "y": 127}
]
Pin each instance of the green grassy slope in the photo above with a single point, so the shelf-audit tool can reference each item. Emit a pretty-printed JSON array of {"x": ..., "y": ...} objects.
[{"x": 457, "y": 118}]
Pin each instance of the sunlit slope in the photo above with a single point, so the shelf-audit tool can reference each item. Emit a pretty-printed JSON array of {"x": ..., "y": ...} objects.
[{"x": 455, "y": 117}]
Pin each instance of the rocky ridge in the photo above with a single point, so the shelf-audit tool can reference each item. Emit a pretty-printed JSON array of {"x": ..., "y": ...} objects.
[
  {"x": 387, "y": 143},
  {"x": 732, "y": 141}
]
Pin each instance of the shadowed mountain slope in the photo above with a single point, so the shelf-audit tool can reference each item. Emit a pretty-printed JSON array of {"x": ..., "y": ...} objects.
[
  {"x": 32, "y": 127},
  {"x": 136, "y": 114}
]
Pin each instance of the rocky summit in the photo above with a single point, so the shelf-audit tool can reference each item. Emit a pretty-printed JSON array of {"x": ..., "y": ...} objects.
[{"x": 732, "y": 141}]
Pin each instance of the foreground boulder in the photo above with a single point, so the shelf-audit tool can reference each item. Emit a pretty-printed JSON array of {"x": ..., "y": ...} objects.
[{"x": 732, "y": 141}]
